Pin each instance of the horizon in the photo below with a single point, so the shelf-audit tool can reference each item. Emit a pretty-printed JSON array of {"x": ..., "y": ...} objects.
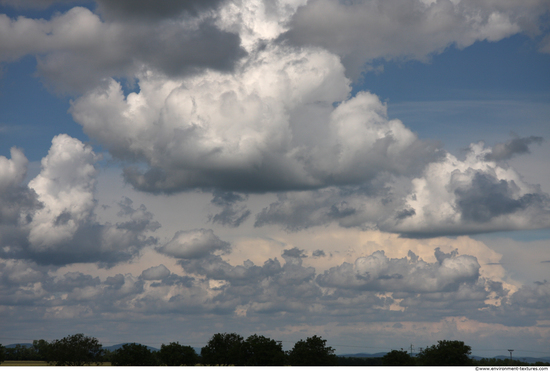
[{"x": 368, "y": 171}]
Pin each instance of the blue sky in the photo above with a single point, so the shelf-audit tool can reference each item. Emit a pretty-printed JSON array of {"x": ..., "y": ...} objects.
[{"x": 242, "y": 166}]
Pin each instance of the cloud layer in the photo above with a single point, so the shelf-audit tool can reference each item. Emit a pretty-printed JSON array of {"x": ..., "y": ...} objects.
[{"x": 375, "y": 287}]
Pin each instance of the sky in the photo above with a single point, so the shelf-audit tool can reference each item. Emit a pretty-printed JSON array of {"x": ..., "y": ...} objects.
[{"x": 370, "y": 171}]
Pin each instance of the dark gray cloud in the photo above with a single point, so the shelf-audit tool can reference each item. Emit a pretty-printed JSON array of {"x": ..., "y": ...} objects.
[
  {"x": 405, "y": 213},
  {"x": 362, "y": 206},
  {"x": 294, "y": 252},
  {"x": 77, "y": 50},
  {"x": 527, "y": 306},
  {"x": 155, "y": 273},
  {"x": 107, "y": 245},
  {"x": 318, "y": 253},
  {"x": 516, "y": 146},
  {"x": 232, "y": 214},
  {"x": 70, "y": 281},
  {"x": 488, "y": 197}
]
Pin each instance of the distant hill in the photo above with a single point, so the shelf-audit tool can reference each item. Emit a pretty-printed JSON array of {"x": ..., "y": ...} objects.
[
  {"x": 118, "y": 346},
  {"x": 363, "y": 355},
  {"x": 11, "y": 346}
]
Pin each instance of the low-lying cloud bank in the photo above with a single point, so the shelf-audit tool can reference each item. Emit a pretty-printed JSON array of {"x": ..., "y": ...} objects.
[{"x": 373, "y": 288}]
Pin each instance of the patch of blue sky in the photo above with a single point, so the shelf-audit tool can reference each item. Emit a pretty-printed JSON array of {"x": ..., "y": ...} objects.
[
  {"x": 482, "y": 92},
  {"x": 46, "y": 12},
  {"x": 30, "y": 115},
  {"x": 510, "y": 67}
]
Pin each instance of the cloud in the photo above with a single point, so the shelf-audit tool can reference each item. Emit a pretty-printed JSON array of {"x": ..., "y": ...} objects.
[
  {"x": 248, "y": 135},
  {"x": 71, "y": 281},
  {"x": 280, "y": 117},
  {"x": 517, "y": 145},
  {"x": 349, "y": 207},
  {"x": 77, "y": 50},
  {"x": 373, "y": 288},
  {"x": 411, "y": 30},
  {"x": 231, "y": 214},
  {"x": 379, "y": 273},
  {"x": 17, "y": 203},
  {"x": 52, "y": 220},
  {"x": 155, "y": 273},
  {"x": 471, "y": 196},
  {"x": 318, "y": 253},
  {"x": 192, "y": 244},
  {"x": 294, "y": 252},
  {"x": 145, "y": 10},
  {"x": 525, "y": 307},
  {"x": 451, "y": 197}
]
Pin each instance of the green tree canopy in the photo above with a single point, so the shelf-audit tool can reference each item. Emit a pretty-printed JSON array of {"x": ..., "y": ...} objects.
[
  {"x": 398, "y": 358},
  {"x": 175, "y": 354},
  {"x": 2, "y": 353},
  {"x": 223, "y": 348},
  {"x": 133, "y": 355},
  {"x": 312, "y": 352},
  {"x": 445, "y": 353},
  {"x": 41, "y": 349},
  {"x": 263, "y": 351},
  {"x": 75, "y": 350}
]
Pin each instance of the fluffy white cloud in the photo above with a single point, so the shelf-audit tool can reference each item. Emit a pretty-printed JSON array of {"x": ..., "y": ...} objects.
[
  {"x": 474, "y": 195},
  {"x": 380, "y": 273},
  {"x": 52, "y": 219},
  {"x": 479, "y": 194},
  {"x": 65, "y": 187},
  {"x": 269, "y": 127}
]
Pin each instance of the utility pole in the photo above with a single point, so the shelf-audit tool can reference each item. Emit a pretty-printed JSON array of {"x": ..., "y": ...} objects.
[
  {"x": 510, "y": 350},
  {"x": 412, "y": 348}
]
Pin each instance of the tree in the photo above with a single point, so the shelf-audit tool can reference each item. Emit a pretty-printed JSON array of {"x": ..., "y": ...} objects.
[
  {"x": 398, "y": 358},
  {"x": 2, "y": 353},
  {"x": 75, "y": 350},
  {"x": 175, "y": 354},
  {"x": 312, "y": 352},
  {"x": 445, "y": 353},
  {"x": 263, "y": 351},
  {"x": 133, "y": 355},
  {"x": 223, "y": 348},
  {"x": 20, "y": 352},
  {"x": 41, "y": 349}
]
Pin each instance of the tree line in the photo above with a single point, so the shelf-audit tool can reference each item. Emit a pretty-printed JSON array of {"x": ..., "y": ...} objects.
[{"x": 233, "y": 349}]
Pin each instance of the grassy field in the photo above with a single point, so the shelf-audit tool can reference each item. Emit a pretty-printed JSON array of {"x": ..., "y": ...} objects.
[{"x": 31, "y": 363}]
